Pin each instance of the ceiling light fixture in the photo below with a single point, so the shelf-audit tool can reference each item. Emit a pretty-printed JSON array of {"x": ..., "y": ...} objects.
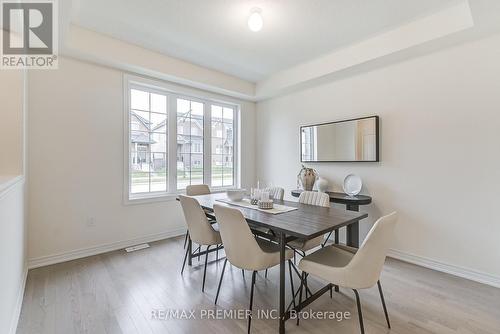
[{"x": 255, "y": 21}]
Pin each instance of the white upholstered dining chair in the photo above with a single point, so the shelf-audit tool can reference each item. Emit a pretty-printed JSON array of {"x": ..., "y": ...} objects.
[
  {"x": 353, "y": 268},
  {"x": 199, "y": 228},
  {"x": 243, "y": 250},
  {"x": 275, "y": 192},
  {"x": 195, "y": 190},
  {"x": 310, "y": 198}
]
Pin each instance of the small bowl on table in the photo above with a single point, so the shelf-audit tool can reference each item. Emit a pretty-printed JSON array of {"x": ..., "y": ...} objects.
[{"x": 235, "y": 195}]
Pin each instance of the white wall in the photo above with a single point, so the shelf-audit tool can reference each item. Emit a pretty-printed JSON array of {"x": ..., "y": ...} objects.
[
  {"x": 11, "y": 122},
  {"x": 13, "y": 267},
  {"x": 440, "y": 162},
  {"x": 12, "y": 254},
  {"x": 76, "y": 166}
]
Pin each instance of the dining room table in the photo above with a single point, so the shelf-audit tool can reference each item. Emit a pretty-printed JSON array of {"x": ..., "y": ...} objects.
[{"x": 299, "y": 221}]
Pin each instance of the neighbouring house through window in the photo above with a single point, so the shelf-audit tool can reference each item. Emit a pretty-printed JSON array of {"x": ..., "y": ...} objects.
[{"x": 164, "y": 158}]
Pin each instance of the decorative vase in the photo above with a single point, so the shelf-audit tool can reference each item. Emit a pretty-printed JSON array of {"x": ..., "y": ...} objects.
[
  {"x": 322, "y": 185},
  {"x": 306, "y": 178}
]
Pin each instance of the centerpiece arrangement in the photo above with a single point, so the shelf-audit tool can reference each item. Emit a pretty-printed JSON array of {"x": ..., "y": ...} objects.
[{"x": 261, "y": 198}]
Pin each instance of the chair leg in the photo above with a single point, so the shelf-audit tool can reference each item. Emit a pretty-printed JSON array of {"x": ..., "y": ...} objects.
[
  {"x": 186, "y": 239},
  {"x": 205, "y": 270},
  {"x": 184, "y": 262},
  {"x": 360, "y": 314},
  {"x": 220, "y": 281},
  {"x": 307, "y": 287},
  {"x": 291, "y": 281},
  {"x": 251, "y": 300},
  {"x": 383, "y": 303},
  {"x": 266, "y": 274}
]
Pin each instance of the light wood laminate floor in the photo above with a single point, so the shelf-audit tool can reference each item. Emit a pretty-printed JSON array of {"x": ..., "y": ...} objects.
[{"x": 117, "y": 292}]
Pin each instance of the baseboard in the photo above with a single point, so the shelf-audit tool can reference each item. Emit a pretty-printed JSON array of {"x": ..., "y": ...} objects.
[
  {"x": 19, "y": 303},
  {"x": 469, "y": 274},
  {"x": 84, "y": 252}
]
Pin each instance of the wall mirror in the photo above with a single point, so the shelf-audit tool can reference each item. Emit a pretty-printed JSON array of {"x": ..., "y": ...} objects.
[{"x": 343, "y": 141}]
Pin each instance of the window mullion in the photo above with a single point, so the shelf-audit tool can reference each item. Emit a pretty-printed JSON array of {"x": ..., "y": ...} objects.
[
  {"x": 207, "y": 143},
  {"x": 236, "y": 146},
  {"x": 172, "y": 142},
  {"x": 148, "y": 157}
]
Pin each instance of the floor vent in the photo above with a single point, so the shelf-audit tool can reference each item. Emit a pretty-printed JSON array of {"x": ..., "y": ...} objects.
[{"x": 136, "y": 248}]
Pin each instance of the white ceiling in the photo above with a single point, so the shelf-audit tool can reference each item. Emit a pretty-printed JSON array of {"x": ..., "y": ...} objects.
[{"x": 214, "y": 34}]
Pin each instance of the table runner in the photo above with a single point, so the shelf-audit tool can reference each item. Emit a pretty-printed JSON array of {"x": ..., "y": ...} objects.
[{"x": 277, "y": 208}]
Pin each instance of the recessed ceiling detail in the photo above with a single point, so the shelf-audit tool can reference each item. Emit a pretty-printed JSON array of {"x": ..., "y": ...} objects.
[
  {"x": 208, "y": 44},
  {"x": 215, "y": 33}
]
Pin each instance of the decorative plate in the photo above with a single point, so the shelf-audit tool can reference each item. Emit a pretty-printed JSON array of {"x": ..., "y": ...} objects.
[{"x": 352, "y": 185}]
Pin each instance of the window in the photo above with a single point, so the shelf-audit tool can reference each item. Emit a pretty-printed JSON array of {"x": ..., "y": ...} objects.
[
  {"x": 175, "y": 141},
  {"x": 222, "y": 146},
  {"x": 309, "y": 147},
  {"x": 190, "y": 123},
  {"x": 148, "y": 142}
]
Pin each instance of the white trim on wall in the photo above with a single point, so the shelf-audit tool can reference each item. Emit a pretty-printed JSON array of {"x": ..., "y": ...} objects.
[
  {"x": 100, "y": 249},
  {"x": 466, "y": 273}
]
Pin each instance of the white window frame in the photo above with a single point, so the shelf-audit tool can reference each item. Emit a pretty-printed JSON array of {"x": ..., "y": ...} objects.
[{"x": 173, "y": 92}]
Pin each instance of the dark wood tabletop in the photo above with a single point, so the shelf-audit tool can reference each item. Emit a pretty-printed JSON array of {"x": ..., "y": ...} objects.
[{"x": 306, "y": 222}]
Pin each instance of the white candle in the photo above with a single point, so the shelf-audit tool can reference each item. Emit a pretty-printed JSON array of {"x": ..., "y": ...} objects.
[{"x": 265, "y": 196}]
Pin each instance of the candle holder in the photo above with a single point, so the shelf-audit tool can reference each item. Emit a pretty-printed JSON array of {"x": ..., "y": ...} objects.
[{"x": 265, "y": 205}]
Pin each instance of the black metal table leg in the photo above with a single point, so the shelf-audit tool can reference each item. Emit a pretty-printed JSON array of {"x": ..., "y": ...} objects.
[
  {"x": 352, "y": 235},
  {"x": 326, "y": 240},
  {"x": 282, "y": 283},
  {"x": 337, "y": 241}
]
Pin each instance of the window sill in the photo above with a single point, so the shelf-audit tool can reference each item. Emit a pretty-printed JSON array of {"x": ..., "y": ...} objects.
[
  {"x": 163, "y": 197},
  {"x": 150, "y": 198}
]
